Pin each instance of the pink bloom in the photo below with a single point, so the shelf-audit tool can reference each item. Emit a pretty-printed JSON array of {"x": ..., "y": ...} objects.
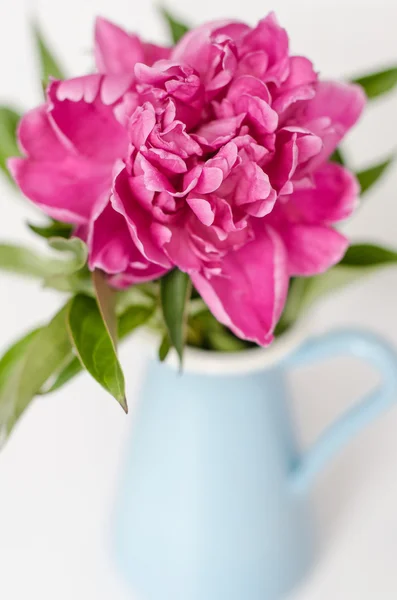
[
  {"x": 117, "y": 51},
  {"x": 68, "y": 166},
  {"x": 212, "y": 157}
]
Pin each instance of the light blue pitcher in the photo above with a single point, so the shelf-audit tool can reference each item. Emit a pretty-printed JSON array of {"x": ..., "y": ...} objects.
[{"x": 213, "y": 502}]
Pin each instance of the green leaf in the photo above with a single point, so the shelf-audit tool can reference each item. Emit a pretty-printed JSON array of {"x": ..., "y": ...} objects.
[
  {"x": 11, "y": 367},
  {"x": 53, "y": 229},
  {"x": 377, "y": 84},
  {"x": 76, "y": 249},
  {"x": 177, "y": 29},
  {"x": 48, "y": 352},
  {"x": 204, "y": 331},
  {"x": 131, "y": 319},
  {"x": 66, "y": 273},
  {"x": 332, "y": 281},
  {"x": 72, "y": 283},
  {"x": 28, "y": 365},
  {"x": 294, "y": 304},
  {"x": 201, "y": 323},
  {"x": 24, "y": 261},
  {"x": 338, "y": 157},
  {"x": 165, "y": 347},
  {"x": 360, "y": 260},
  {"x": 175, "y": 290},
  {"x": 95, "y": 347},
  {"x": 370, "y": 176},
  {"x": 139, "y": 294},
  {"x": 106, "y": 300},
  {"x": 69, "y": 371},
  {"x": 69, "y": 274},
  {"x": 9, "y": 120},
  {"x": 224, "y": 341},
  {"x": 368, "y": 255},
  {"x": 49, "y": 66}
]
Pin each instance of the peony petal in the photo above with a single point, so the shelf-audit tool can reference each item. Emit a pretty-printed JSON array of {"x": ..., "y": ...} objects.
[
  {"x": 285, "y": 160},
  {"x": 198, "y": 47},
  {"x": 165, "y": 161},
  {"x": 116, "y": 51},
  {"x": 247, "y": 84},
  {"x": 202, "y": 209},
  {"x": 141, "y": 124},
  {"x": 114, "y": 88},
  {"x": 294, "y": 147},
  {"x": 139, "y": 273},
  {"x": 66, "y": 190},
  {"x": 299, "y": 84},
  {"x": 209, "y": 180},
  {"x": 89, "y": 125},
  {"x": 153, "y": 53},
  {"x": 341, "y": 104},
  {"x": 252, "y": 185},
  {"x": 217, "y": 133},
  {"x": 181, "y": 250},
  {"x": 261, "y": 208},
  {"x": 110, "y": 244},
  {"x": 254, "y": 64},
  {"x": 38, "y": 139},
  {"x": 138, "y": 219},
  {"x": 312, "y": 249},
  {"x": 285, "y": 100},
  {"x": 175, "y": 139},
  {"x": 225, "y": 159},
  {"x": 333, "y": 197},
  {"x": 154, "y": 179},
  {"x": 271, "y": 40},
  {"x": 259, "y": 113},
  {"x": 250, "y": 294},
  {"x": 113, "y": 250},
  {"x": 308, "y": 145},
  {"x": 301, "y": 72},
  {"x": 84, "y": 88},
  {"x": 65, "y": 185},
  {"x": 157, "y": 74}
]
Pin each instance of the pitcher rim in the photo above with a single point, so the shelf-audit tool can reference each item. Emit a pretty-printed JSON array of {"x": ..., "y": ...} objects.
[{"x": 207, "y": 362}]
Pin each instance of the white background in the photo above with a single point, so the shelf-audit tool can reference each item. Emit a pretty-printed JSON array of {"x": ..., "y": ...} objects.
[{"x": 59, "y": 470}]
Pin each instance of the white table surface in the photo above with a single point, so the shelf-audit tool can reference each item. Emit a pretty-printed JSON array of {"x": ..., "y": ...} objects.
[{"x": 58, "y": 472}]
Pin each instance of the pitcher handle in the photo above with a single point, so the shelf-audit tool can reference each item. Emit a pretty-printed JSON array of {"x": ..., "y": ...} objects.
[{"x": 373, "y": 350}]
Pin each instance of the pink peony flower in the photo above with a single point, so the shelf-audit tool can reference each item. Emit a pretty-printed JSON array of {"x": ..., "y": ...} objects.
[{"x": 212, "y": 157}]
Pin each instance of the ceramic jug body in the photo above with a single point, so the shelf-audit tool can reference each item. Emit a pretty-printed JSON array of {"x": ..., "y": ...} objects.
[
  {"x": 208, "y": 509},
  {"x": 213, "y": 502}
]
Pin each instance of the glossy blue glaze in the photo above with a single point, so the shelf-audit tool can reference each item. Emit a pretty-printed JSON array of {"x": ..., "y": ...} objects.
[{"x": 212, "y": 504}]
